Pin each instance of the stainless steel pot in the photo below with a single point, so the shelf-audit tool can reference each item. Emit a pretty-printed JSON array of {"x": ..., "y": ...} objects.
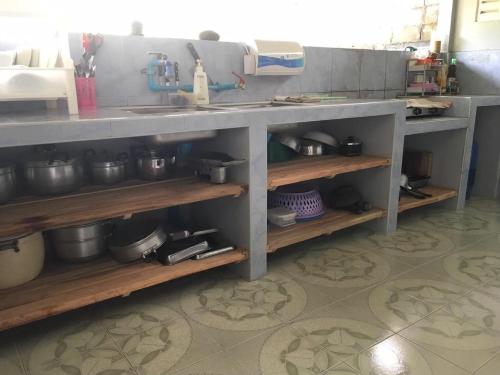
[
  {"x": 7, "y": 182},
  {"x": 56, "y": 173},
  {"x": 105, "y": 170},
  {"x": 21, "y": 259},
  {"x": 311, "y": 148},
  {"x": 135, "y": 240},
  {"x": 81, "y": 243},
  {"x": 153, "y": 165}
]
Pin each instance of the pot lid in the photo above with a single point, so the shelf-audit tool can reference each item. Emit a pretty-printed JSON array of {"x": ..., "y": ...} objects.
[
  {"x": 46, "y": 161},
  {"x": 133, "y": 232},
  {"x": 106, "y": 163}
]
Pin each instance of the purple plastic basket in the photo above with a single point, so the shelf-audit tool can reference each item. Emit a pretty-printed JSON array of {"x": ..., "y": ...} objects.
[{"x": 305, "y": 202}]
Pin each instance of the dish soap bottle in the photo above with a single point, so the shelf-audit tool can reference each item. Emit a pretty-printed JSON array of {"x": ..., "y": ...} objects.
[{"x": 200, "y": 84}]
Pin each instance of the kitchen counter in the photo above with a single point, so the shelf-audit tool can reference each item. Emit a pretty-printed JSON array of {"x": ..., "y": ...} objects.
[{"x": 18, "y": 129}]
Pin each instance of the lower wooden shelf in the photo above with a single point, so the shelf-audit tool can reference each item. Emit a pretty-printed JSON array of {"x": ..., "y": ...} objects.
[
  {"x": 331, "y": 221},
  {"x": 63, "y": 287},
  {"x": 407, "y": 202}
]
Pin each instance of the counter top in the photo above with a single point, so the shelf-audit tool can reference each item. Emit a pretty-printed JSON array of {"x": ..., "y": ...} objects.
[{"x": 17, "y": 129}]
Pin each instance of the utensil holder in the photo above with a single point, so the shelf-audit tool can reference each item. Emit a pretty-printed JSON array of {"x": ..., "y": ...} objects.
[{"x": 85, "y": 91}]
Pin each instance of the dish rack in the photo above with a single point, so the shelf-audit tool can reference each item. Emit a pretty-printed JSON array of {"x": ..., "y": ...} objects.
[{"x": 50, "y": 84}]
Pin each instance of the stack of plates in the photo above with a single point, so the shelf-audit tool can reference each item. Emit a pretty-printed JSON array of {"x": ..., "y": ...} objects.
[{"x": 281, "y": 216}]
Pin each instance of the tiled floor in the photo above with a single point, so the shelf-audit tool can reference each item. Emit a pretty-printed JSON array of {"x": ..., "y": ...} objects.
[{"x": 423, "y": 301}]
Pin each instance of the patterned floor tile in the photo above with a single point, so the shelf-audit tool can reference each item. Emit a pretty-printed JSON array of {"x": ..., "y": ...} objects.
[
  {"x": 80, "y": 347},
  {"x": 10, "y": 361},
  {"x": 341, "y": 369},
  {"x": 219, "y": 364},
  {"x": 490, "y": 368},
  {"x": 397, "y": 356},
  {"x": 339, "y": 271},
  {"x": 465, "y": 332},
  {"x": 477, "y": 266},
  {"x": 408, "y": 244},
  {"x": 464, "y": 228}
]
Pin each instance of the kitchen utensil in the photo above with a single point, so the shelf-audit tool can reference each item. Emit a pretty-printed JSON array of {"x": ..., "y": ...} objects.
[
  {"x": 177, "y": 256},
  {"x": 213, "y": 165},
  {"x": 21, "y": 259},
  {"x": 7, "y": 182},
  {"x": 54, "y": 173},
  {"x": 418, "y": 182},
  {"x": 154, "y": 165},
  {"x": 104, "y": 169},
  {"x": 321, "y": 137},
  {"x": 304, "y": 201},
  {"x": 81, "y": 243},
  {"x": 176, "y": 73},
  {"x": 183, "y": 234},
  {"x": 348, "y": 198},
  {"x": 132, "y": 240},
  {"x": 311, "y": 148},
  {"x": 197, "y": 57},
  {"x": 281, "y": 216},
  {"x": 288, "y": 140},
  {"x": 215, "y": 252},
  {"x": 405, "y": 187},
  {"x": 350, "y": 147}
]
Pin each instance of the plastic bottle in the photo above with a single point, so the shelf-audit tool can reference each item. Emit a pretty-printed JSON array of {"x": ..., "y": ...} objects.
[
  {"x": 451, "y": 79},
  {"x": 200, "y": 84}
]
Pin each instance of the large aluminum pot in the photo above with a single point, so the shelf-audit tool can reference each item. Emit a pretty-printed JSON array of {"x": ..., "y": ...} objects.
[
  {"x": 21, "y": 259},
  {"x": 81, "y": 243},
  {"x": 106, "y": 170},
  {"x": 56, "y": 173},
  {"x": 7, "y": 182}
]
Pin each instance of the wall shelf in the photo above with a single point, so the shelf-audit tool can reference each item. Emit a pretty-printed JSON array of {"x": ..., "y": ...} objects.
[
  {"x": 331, "y": 221},
  {"x": 44, "y": 213},
  {"x": 63, "y": 287},
  {"x": 310, "y": 168},
  {"x": 439, "y": 194}
]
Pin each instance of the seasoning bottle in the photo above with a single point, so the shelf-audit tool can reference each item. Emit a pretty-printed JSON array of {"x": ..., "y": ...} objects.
[{"x": 200, "y": 84}]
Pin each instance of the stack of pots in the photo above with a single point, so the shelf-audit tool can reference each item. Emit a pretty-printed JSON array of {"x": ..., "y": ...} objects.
[{"x": 104, "y": 169}]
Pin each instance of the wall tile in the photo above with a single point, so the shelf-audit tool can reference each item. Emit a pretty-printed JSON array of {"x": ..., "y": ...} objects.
[
  {"x": 317, "y": 76},
  {"x": 392, "y": 94},
  {"x": 347, "y": 94},
  {"x": 478, "y": 72},
  {"x": 395, "y": 71},
  {"x": 372, "y": 70},
  {"x": 378, "y": 94},
  {"x": 346, "y": 69}
]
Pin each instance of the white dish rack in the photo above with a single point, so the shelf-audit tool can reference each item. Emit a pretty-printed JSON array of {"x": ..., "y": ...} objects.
[{"x": 24, "y": 84}]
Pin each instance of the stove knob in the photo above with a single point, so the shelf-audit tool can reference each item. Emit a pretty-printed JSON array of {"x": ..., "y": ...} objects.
[{"x": 417, "y": 111}]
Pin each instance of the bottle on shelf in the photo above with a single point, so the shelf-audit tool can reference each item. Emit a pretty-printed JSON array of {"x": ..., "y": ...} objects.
[
  {"x": 451, "y": 78},
  {"x": 200, "y": 84}
]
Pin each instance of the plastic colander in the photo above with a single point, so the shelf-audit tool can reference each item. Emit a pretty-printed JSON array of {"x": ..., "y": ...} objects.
[{"x": 305, "y": 202}]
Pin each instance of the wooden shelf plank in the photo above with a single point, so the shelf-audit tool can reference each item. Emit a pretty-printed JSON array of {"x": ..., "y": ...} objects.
[
  {"x": 310, "y": 168},
  {"x": 407, "y": 202},
  {"x": 331, "y": 221},
  {"x": 54, "y": 212},
  {"x": 67, "y": 287}
]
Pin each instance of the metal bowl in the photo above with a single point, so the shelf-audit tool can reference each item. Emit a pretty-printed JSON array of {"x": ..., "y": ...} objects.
[{"x": 288, "y": 141}]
